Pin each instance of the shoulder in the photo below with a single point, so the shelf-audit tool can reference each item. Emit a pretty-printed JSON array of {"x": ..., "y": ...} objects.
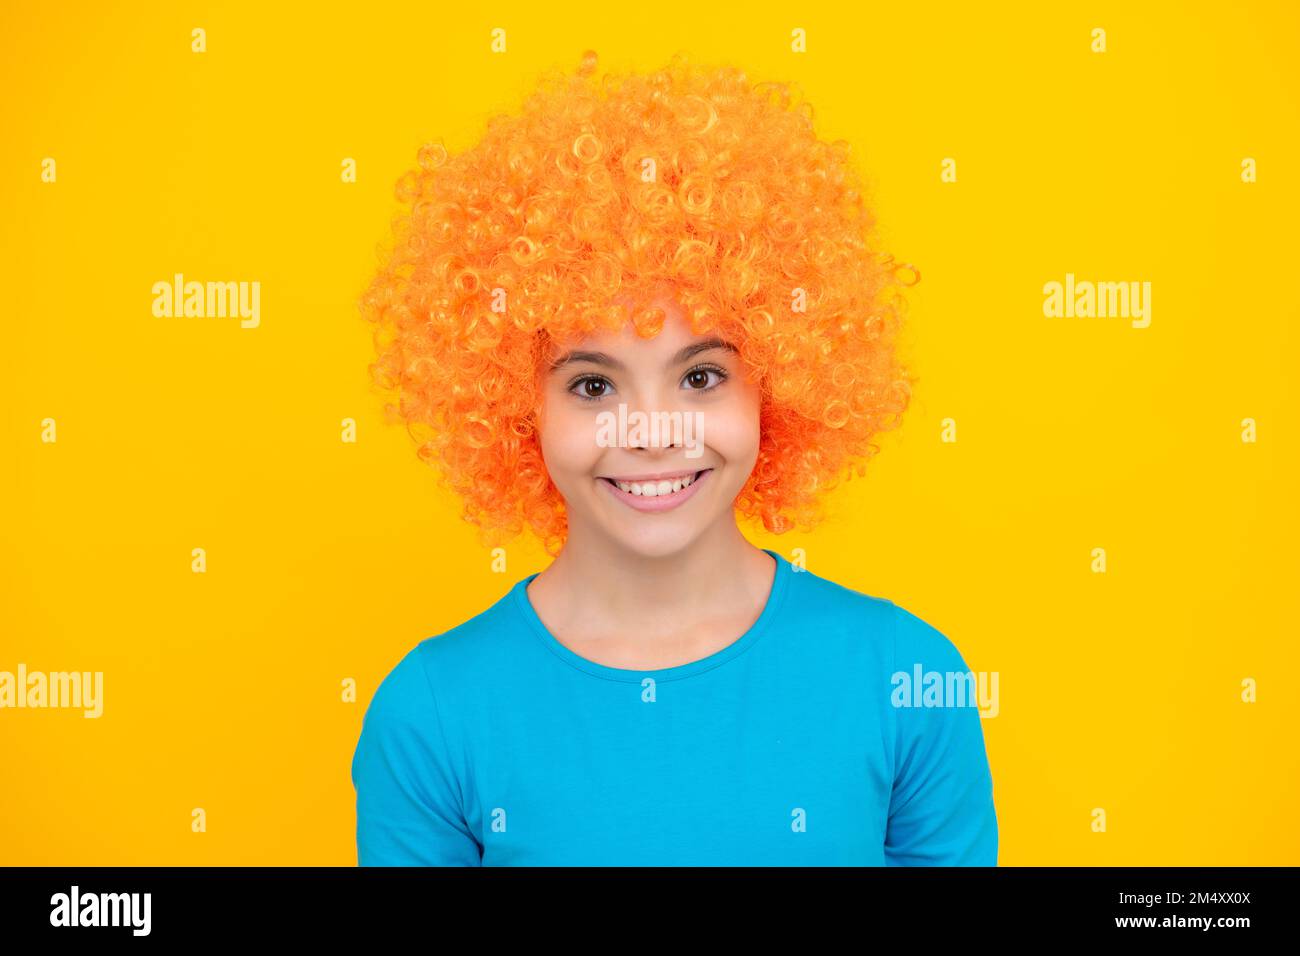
[
  {"x": 825, "y": 603},
  {"x": 412, "y": 722},
  {"x": 916, "y": 640},
  {"x": 433, "y": 668}
]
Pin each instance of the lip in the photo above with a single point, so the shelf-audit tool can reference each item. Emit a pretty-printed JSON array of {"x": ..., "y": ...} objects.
[
  {"x": 658, "y": 476},
  {"x": 658, "y": 502}
]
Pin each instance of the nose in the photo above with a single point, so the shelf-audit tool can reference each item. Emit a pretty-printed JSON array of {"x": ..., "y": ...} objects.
[{"x": 655, "y": 425}]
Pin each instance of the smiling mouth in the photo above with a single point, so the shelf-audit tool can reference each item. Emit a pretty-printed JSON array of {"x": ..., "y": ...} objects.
[{"x": 664, "y": 488}]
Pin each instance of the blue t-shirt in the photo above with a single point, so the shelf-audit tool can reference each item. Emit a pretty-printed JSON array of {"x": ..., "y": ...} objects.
[{"x": 493, "y": 744}]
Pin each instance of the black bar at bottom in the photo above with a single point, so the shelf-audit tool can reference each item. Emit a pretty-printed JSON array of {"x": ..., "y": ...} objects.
[{"x": 236, "y": 904}]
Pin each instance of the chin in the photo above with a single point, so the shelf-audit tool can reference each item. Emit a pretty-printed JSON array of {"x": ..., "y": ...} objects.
[
  {"x": 652, "y": 535},
  {"x": 649, "y": 534},
  {"x": 661, "y": 542}
]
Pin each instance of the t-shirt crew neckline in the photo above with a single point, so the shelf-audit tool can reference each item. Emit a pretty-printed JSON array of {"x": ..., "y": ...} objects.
[{"x": 747, "y": 640}]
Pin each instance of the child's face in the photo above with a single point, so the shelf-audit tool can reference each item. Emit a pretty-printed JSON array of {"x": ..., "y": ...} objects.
[{"x": 707, "y": 419}]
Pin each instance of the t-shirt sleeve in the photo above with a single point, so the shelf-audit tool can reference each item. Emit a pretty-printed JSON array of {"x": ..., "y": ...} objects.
[
  {"x": 408, "y": 799},
  {"x": 941, "y": 810}
]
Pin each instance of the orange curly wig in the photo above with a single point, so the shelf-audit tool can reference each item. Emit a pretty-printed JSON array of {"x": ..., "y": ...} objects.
[{"x": 691, "y": 177}]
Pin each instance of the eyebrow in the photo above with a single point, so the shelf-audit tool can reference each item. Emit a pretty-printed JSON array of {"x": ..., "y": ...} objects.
[{"x": 602, "y": 358}]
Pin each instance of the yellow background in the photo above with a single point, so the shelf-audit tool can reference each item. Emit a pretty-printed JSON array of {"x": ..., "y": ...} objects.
[{"x": 329, "y": 560}]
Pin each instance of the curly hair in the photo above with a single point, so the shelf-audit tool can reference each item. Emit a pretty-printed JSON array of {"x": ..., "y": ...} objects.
[{"x": 688, "y": 176}]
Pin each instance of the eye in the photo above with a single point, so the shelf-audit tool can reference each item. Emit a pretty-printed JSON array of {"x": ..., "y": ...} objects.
[
  {"x": 590, "y": 388},
  {"x": 697, "y": 379}
]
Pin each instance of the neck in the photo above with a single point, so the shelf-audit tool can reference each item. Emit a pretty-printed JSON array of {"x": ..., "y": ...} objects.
[{"x": 597, "y": 587}]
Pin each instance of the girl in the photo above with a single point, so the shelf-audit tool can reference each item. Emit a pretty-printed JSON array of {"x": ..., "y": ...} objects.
[{"x": 632, "y": 313}]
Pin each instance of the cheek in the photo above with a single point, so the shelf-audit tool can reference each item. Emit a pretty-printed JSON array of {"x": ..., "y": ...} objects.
[
  {"x": 732, "y": 430},
  {"x": 568, "y": 439}
]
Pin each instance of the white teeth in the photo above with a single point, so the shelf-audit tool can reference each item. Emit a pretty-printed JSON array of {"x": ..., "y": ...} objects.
[{"x": 653, "y": 489}]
